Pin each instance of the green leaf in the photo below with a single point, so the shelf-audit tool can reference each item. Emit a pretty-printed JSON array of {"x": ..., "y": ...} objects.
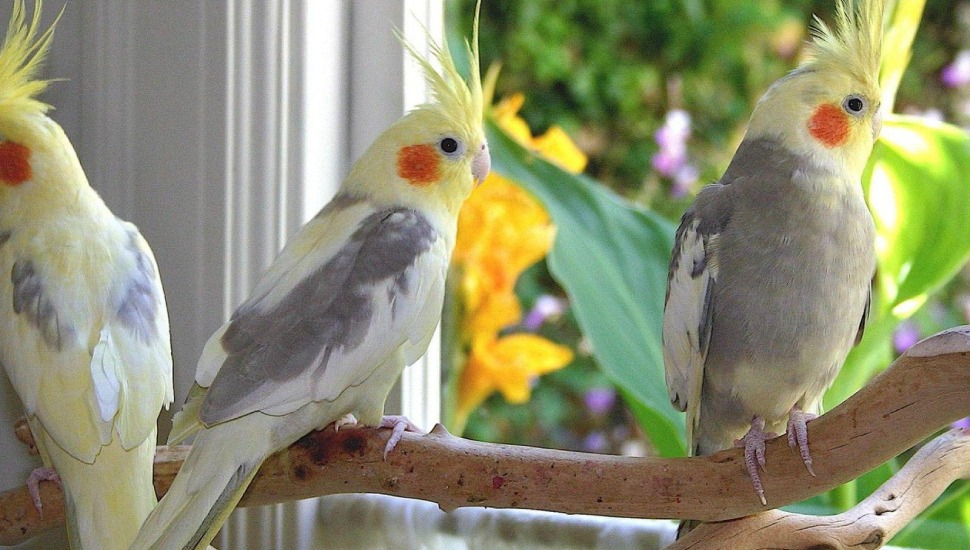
[
  {"x": 918, "y": 188},
  {"x": 611, "y": 257}
]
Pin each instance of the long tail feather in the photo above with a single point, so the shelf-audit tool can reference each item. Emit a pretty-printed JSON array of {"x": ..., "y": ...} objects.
[
  {"x": 220, "y": 467},
  {"x": 100, "y": 519}
]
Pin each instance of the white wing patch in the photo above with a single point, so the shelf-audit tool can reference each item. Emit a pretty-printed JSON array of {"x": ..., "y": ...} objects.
[
  {"x": 687, "y": 319},
  {"x": 105, "y": 366}
]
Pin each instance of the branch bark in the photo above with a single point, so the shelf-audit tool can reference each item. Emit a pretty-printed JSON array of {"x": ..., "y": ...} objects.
[
  {"x": 925, "y": 389},
  {"x": 868, "y": 525}
]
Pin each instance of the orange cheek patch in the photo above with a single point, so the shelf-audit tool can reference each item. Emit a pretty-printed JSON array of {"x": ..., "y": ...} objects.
[
  {"x": 14, "y": 163},
  {"x": 418, "y": 164},
  {"x": 829, "y": 125}
]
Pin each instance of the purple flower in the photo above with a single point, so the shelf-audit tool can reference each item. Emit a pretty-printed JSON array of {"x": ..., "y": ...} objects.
[
  {"x": 672, "y": 139},
  {"x": 906, "y": 334},
  {"x": 683, "y": 180},
  {"x": 957, "y": 74},
  {"x": 545, "y": 307},
  {"x": 595, "y": 442},
  {"x": 666, "y": 163},
  {"x": 962, "y": 423},
  {"x": 600, "y": 401}
]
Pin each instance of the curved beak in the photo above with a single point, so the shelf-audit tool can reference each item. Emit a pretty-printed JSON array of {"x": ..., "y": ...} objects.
[
  {"x": 481, "y": 164},
  {"x": 876, "y": 125}
]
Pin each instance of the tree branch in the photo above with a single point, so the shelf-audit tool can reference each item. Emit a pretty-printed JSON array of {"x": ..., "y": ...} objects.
[
  {"x": 868, "y": 525},
  {"x": 925, "y": 389}
]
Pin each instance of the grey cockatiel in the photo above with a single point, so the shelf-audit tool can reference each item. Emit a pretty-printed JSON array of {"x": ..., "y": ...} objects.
[{"x": 769, "y": 282}]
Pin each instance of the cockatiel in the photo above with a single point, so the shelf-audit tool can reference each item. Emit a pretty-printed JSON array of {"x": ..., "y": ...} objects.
[
  {"x": 84, "y": 334},
  {"x": 352, "y": 298},
  {"x": 769, "y": 282}
]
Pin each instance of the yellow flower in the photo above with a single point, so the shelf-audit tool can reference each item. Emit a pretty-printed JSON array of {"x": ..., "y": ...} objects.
[
  {"x": 507, "y": 364},
  {"x": 555, "y": 145},
  {"x": 502, "y": 231}
]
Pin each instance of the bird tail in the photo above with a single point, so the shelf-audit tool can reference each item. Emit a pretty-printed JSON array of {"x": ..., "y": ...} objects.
[
  {"x": 107, "y": 501},
  {"x": 207, "y": 488}
]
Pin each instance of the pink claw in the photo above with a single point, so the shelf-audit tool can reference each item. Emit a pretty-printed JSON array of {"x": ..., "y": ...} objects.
[
  {"x": 33, "y": 485},
  {"x": 753, "y": 444},
  {"x": 798, "y": 434},
  {"x": 398, "y": 425}
]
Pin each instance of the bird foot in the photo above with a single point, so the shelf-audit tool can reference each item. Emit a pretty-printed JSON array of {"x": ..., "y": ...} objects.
[
  {"x": 22, "y": 430},
  {"x": 398, "y": 425},
  {"x": 798, "y": 434},
  {"x": 753, "y": 444},
  {"x": 33, "y": 485},
  {"x": 345, "y": 420}
]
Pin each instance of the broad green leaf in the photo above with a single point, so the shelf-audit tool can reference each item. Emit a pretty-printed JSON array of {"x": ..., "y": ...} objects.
[
  {"x": 611, "y": 257},
  {"x": 918, "y": 187}
]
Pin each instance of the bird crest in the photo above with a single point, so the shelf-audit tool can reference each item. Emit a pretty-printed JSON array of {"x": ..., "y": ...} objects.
[
  {"x": 852, "y": 45},
  {"x": 23, "y": 52},
  {"x": 452, "y": 98}
]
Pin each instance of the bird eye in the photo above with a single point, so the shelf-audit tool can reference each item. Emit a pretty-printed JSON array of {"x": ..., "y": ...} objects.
[
  {"x": 854, "y": 105},
  {"x": 449, "y": 145}
]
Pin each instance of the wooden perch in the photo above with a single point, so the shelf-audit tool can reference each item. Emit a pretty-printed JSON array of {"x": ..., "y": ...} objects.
[
  {"x": 925, "y": 389},
  {"x": 868, "y": 525}
]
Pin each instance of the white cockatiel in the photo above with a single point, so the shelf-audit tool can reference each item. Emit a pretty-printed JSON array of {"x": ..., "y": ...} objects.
[
  {"x": 84, "y": 333},
  {"x": 769, "y": 281},
  {"x": 352, "y": 298}
]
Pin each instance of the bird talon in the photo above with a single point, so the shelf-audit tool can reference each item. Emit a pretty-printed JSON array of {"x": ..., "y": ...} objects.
[
  {"x": 345, "y": 420},
  {"x": 33, "y": 485},
  {"x": 753, "y": 444},
  {"x": 798, "y": 435},
  {"x": 399, "y": 425}
]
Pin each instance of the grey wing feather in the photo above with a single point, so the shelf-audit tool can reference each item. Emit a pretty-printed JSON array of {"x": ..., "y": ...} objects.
[
  {"x": 31, "y": 300},
  {"x": 328, "y": 312},
  {"x": 140, "y": 301},
  {"x": 691, "y": 283}
]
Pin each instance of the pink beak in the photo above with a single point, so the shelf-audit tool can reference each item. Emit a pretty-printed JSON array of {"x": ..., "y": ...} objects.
[{"x": 481, "y": 164}]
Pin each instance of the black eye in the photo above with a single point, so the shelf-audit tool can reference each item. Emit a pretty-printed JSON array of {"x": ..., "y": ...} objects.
[
  {"x": 448, "y": 145},
  {"x": 854, "y": 104}
]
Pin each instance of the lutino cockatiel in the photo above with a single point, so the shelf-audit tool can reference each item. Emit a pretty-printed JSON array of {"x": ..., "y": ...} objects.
[
  {"x": 352, "y": 298},
  {"x": 769, "y": 282},
  {"x": 83, "y": 327}
]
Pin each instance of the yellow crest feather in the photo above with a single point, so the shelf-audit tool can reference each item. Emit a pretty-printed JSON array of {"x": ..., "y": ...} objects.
[
  {"x": 451, "y": 97},
  {"x": 855, "y": 43},
  {"x": 21, "y": 56}
]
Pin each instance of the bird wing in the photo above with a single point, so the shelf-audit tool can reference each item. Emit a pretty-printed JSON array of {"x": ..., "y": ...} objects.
[
  {"x": 85, "y": 333},
  {"x": 688, "y": 310},
  {"x": 355, "y": 286}
]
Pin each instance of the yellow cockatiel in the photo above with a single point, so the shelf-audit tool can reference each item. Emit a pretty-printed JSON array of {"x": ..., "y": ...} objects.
[
  {"x": 83, "y": 327},
  {"x": 353, "y": 298}
]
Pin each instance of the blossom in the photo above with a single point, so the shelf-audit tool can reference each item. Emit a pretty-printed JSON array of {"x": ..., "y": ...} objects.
[
  {"x": 546, "y": 306},
  {"x": 507, "y": 364},
  {"x": 906, "y": 334},
  {"x": 502, "y": 230},
  {"x": 670, "y": 161},
  {"x": 957, "y": 73},
  {"x": 600, "y": 401},
  {"x": 595, "y": 442}
]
